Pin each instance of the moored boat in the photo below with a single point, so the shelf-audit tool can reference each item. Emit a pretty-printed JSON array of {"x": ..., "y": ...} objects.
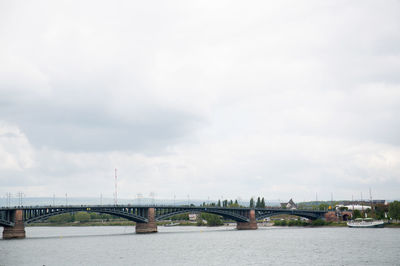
[
  {"x": 365, "y": 223},
  {"x": 171, "y": 224}
]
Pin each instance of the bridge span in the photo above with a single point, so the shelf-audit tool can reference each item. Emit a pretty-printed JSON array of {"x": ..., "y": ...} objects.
[{"x": 14, "y": 219}]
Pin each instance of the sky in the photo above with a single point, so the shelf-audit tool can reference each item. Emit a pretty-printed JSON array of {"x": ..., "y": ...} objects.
[{"x": 211, "y": 99}]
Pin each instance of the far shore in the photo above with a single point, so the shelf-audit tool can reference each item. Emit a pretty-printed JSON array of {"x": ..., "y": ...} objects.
[{"x": 186, "y": 223}]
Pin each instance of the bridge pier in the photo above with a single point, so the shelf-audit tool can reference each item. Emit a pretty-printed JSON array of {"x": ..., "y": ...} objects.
[
  {"x": 16, "y": 231},
  {"x": 251, "y": 225},
  {"x": 150, "y": 226}
]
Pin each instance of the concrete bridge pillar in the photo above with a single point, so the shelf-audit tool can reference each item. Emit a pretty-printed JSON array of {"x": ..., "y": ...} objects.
[
  {"x": 251, "y": 225},
  {"x": 16, "y": 231},
  {"x": 149, "y": 227}
]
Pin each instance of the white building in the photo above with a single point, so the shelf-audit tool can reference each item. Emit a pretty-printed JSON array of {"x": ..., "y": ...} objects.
[{"x": 193, "y": 216}]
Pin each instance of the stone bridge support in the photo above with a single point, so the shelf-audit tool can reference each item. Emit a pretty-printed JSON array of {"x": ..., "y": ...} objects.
[
  {"x": 251, "y": 225},
  {"x": 150, "y": 226},
  {"x": 16, "y": 231},
  {"x": 331, "y": 216}
]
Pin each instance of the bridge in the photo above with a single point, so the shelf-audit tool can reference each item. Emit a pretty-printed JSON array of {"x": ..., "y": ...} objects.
[{"x": 14, "y": 219}]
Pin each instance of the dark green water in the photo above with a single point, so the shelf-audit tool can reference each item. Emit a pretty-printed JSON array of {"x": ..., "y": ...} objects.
[{"x": 203, "y": 246}]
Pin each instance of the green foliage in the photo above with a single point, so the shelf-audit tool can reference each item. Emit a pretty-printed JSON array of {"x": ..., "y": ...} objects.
[
  {"x": 280, "y": 222},
  {"x": 62, "y": 218},
  {"x": 380, "y": 211},
  {"x": 82, "y": 217},
  {"x": 357, "y": 214},
  {"x": 251, "y": 203},
  {"x": 94, "y": 216},
  {"x": 212, "y": 219},
  {"x": 318, "y": 222},
  {"x": 199, "y": 222},
  {"x": 258, "y": 202},
  {"x": 394, "y": 210},
  {"x": 297, "y": 222},
  {"x": 323, "y": 206},
  {"x": 184, "y": 216}
]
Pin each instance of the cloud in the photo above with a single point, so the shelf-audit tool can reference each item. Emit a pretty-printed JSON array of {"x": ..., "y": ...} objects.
[{"x": 283, "y": 99}]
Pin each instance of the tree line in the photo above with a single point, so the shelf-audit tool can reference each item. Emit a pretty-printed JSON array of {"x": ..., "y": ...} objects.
[
  {"x": 259, "y": 204},
  {"x": 81, "y": 217}
]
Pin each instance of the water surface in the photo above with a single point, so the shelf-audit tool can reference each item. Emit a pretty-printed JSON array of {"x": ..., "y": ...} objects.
[{"x": 119, "y": 245}]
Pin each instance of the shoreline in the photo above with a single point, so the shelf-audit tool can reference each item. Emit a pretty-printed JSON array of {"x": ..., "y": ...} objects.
[{"x": 129, "y": 223}]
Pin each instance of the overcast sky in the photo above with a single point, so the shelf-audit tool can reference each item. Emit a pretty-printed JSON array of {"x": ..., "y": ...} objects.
[{"x": 208, "y": 98}]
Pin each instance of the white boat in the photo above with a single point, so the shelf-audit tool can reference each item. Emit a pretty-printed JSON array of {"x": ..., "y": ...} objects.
[
  {"x": 171, "y": 224},
  {"x": 365, "y": 223}
]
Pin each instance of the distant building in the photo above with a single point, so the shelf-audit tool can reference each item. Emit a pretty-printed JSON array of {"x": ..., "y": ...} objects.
[
  {"x": 193, "y": 216},
  {"x": 363, "y": 202},
  {"x": 353, "y": 207},
  {"x": 289, "y": 205}
]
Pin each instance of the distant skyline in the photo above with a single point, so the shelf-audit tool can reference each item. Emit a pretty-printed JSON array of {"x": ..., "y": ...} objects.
[{"x": 221, "y": 99}]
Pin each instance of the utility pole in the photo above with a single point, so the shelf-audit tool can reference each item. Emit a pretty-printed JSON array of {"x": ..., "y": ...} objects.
[
  {"x": 139, "y": 196},
  {"x": 152, "y": 195},
  {"x": 372, "y": 204},
  {"x": 115, "y": 192},
  {"x": 20, "y": 195},
  {"x": 8, "y": 199},
  {"x": 362, "y": 205},
  {"x": 19, "y": 198}
]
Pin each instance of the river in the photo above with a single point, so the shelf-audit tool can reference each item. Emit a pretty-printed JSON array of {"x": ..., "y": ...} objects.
[{"x": 119, "y": 245}]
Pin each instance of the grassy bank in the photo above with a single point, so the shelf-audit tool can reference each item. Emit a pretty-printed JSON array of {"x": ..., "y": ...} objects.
[
  {"x": 314, "y": 223},
  {"x": 393, "y": 225},
  {"x": 109, "y": 223}
]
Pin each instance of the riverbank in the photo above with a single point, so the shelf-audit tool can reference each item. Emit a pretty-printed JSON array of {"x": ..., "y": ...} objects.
[
  {"x": 185, "y": 223},
  {"x": 107, "y": 223},
  {"x": 392, "y": 225}
]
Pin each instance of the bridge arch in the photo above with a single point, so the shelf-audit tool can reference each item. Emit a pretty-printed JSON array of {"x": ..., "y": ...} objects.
[
  {"x": 308, "y": 215},
  {"x": 224, "y": 213},
  {"x": 118, "y": 213}
]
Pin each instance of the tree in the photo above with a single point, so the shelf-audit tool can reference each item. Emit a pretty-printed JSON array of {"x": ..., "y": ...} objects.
[
  {"x": 262, "y": 205},
  {"x": 258, "y": 204},
  {"x": 323, "y": 206},
  {"x": 251, "y": 203},
  {"x": 212, "y": 219},
  {"x": 62, "y": 218},
  {"x": 394, "y": 210},
  {"x": 219, "y": 203},
  {"x": 380, "y": 211},
  {"x": 357, "y": 214},
  {"x": 82, "y": 217}
]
